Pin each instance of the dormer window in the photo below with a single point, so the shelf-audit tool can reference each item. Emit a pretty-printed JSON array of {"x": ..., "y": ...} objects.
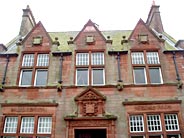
[
  {"x": 37, "y": 40},
  {"x": 143, "y": 38},
  {"x": 90, "y": 40}
]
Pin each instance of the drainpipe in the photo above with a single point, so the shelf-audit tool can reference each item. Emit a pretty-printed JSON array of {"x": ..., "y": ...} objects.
[
  {"x": 177, "y": 73},
  {"x": 7, "y": 61},
  {"x": 60, "y": 69},
  {"x": 119, "y": 71}
]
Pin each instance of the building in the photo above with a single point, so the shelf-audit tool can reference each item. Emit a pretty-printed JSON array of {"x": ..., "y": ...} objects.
[{"x": 92, "y": 83}]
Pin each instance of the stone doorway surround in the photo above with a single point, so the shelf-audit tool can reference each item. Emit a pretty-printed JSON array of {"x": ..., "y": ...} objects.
[{"x": 90, "y": 114}]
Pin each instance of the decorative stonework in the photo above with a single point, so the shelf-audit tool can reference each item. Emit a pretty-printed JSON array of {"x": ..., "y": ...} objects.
[{"x": 90, "y": 103}]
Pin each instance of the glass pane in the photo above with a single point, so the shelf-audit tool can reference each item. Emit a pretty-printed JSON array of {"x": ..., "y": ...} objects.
[
  {"x": 137, "y": 58},
  {"x": 171, "y": 122},
  {"x": 41, "y": 77},
  {"x": 26, "y": 77},
  {"x": 159, "y": 136},
  {"x": 154, "y": 123},
  {"x": 27, "y": 125},
  {"x": 98, "y": 76},
  {"x": 10, "y": 125},
  {"x": 152, "y": 58},
  {"x": 82, "y": 59},
  {"x": 155, "y": 75},
  {"x": 9, "y": 137},
  {"x": 28, "y": 60},
  {"x": 173, "y": 136},
  {"x": 45, "y": 125},
  {"x": 82, "y": 76},
  {"x": 136, "y": 123},
  {"x": 43, "y": 60},
  {"x": 139, "y": 76},
  {"x": 98, "y": 58}
]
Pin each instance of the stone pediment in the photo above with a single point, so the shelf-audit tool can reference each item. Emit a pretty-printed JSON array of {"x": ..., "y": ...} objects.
[
  {"x": 90, "y": 103},
  {"x": 90, "y": 94}
]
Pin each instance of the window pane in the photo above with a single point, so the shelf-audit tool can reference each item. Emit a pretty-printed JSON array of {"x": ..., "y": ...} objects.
[
  {"x": 26, "y": 77},
  {"x": 41, "y": 78},
  {"x": 82, "y": 77},
  {"x": 154, "y": 123},
  {"x": 139, "y": 76},
  {"x": 98, "y": 58},
  {"x": 43, "y": 60},
  {"x": 28, "y": 60},
  {"x": 155, "y": 75},
  {"x": 10, "y": 125},
  {"x": 137, "y": 58},
  {"x": 171, "y": 122},
  {"x": 98, "y": 76},
  {"x": 27, "y": 125},
  {"x": 152, "y": 58},
  {"x": 136, "y": 123},
  {"x": 173, "y": 136},
  {"x": 9, "y": 137},
  {"x": 44, "y": 125},
  {"x": 157, "y": 136},
  {"x": 82, "y": 59}
]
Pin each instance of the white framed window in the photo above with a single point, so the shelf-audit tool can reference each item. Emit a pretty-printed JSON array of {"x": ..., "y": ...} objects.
[
  {"x": 137, "y": 58},
  {"x": 98, "y": 77},
  {"x": 152, "y": 58},
  {"x": 82, "y": 77},
  {"x": 137, "y": 136},
  {"x": 28, "y": 60},
  {"x": 98, "y": 58},
  {"x": 41, "y": 77},
  {"x": 155, "y": 75},
  {"x": 44, "y": 125},
  {"x": 136, "y": 123},
  {"x": 154, "y": 123},
  {"x": 171, "y": 122},
  {"x": 139, "y": 75},
  {"x": 10, "y": 125},
  {"x": 174, "y": 136},
  {"x": 43, "y": 60},
  {"x": 25, "y": 77},
  {"x": 27, "y": 125},
  {"x": 82, "y": 59}
]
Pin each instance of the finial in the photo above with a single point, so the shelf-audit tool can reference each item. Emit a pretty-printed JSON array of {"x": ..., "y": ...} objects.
[
  {"x": 153, "y": 3},
  {"x": 27, "y": 7}
]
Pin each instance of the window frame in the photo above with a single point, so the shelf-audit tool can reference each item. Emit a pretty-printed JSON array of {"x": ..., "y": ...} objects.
[
  {"x": 163, "y": 132},
  {"x": 90, "y": 66},
  {"x": 34, "y": 67},
  {"x": 146, "y": 65},
  {"x": 35, "y": 132}
]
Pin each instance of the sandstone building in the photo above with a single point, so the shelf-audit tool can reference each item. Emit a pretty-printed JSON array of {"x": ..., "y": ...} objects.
[{"x": 92, "y": 83}]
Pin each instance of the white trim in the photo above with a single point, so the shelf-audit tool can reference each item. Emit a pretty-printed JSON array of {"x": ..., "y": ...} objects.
[
  {"x": 20, "y": 80},
  {"x": 145, "y": 76},
  {"x": 87, "y": 69},
  {"x": 103, "y": 75}
]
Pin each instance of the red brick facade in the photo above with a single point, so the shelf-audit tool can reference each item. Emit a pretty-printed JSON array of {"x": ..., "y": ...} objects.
[{"x": 89, "y": 88}]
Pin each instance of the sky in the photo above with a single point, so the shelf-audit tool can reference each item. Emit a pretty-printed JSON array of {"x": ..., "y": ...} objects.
[{"x": 72, "y": 15}]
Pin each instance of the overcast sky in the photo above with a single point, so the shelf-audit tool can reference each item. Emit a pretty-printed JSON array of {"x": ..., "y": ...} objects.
[{"x": 71, "y": 15}]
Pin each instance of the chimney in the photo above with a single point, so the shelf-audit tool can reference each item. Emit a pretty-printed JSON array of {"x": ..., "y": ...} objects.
[
  {"x": 154, "y": 19},
  {"x": 28, "y": 21}
]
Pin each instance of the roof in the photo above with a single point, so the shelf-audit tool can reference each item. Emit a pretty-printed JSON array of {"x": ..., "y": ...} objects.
[{"x": 115, "y": 36}]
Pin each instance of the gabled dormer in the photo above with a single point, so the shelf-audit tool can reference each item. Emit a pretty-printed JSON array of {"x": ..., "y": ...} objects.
[
  {"x": 143, "y": 37},
  {"x": 34, "y": 63},
  {"x": 90, "y": 36},
  {"x": 37, "y": 39}
]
